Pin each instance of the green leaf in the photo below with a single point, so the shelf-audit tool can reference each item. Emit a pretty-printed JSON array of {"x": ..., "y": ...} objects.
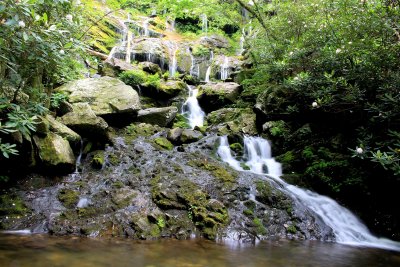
[
  {"x": 45, "y": 18},
  {"x": 68, "y": 45}
]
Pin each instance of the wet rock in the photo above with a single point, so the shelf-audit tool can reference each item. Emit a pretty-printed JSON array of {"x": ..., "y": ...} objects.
[
  {"x": 158, "y": 116},
  {"x": 55, "y": 153},
  {"x": 114, "y": 66},
  {"x": 233, "y": 121},
  {"x": 213, "y": 96},
  {"x": 163, "y": 143},
  {"x": 84, "y": 121},
  {"x": 106, "y": 96}
]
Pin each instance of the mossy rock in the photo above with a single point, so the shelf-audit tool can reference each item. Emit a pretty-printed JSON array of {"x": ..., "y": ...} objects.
[
  {"x": 218, "y": 171},
  {"x": 135, "y": 130},
  {"x": 98, "y": 160},
  {"x": 163, "y": 143},
  {"x": 69, "y": 198}
]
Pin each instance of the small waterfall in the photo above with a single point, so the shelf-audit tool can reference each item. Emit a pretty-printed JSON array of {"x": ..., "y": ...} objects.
[
  {"x": 146, "y": 32},
  {"x": 348, "y": 229},
  {"x": 193, "y": 65},
  {"x": 192, "y": 109},
  {"x": 128, "y": 47},
  {"x": 204, "y": 23},
  {"x": 123, "y": 41},
  {"x": 241, "y": 43},
  {"x": 79, "y": 158},
  {"x": 208, "y": 72},
  {"x": 173, "y": 64},
  {"x": 225, "y": 69}
]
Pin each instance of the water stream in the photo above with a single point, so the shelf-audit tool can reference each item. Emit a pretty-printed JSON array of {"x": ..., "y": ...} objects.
[
  {"x": 225, "y": 69},
  {"x": 192, "y": 108},
  {"x": 348, "y": 229},
  {"x": 208, "y": 72}
]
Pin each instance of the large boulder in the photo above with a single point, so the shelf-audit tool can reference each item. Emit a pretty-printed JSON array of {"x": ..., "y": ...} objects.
[
  {"x": 213, "y": 96},
  {"x": 84, "y": 121},
  {"x": 233, "y": 121},
  {"x": 112, "y": 67},
  {"x": 164, "y": 90},
  {"x": 150, "y": 67},
  {"x": 158, "y": 116},
  {"x": 55, "y": 153},
  {"x": 106, "y": 96},
  {"x": 62, "y": 130},
  {"x": 180, "y": 136}
]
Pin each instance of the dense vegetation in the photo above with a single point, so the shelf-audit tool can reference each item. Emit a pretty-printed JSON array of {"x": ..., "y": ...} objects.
[{"x": 329, "y": 76}]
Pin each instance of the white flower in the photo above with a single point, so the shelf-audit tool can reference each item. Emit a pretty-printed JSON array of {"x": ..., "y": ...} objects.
[
  {"x": 314, "y": 104},
  {"x": 21, "y": 24},
  {"x": 296, "y": 78},
  {"x": 359, "y": 150},
  {"x": 69, "y": 17},
  {"x": 77, "y": 2},
  {"x": 291, "y": 53},
  {"x": 62, "y": 52},
  {"x": 37, "y": 17},
  {"x": 338, "y": 50},
  {"x": 350, "y": 43}
]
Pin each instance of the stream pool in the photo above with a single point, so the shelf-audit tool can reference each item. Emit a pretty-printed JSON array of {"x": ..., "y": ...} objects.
[{"x": 45, "y": 250}]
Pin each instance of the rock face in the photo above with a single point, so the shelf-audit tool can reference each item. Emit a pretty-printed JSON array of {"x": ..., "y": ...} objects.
[
  {"x": 150, "y": 67},
  {"x": 213, "y": 96},
  {"x": 55, "y": 152},
  {"x": 145, "y": 192},
  {"x": 84, "y": 121},
  {"x": 180, "y": 136},
  {"x": 159, "y": 116},
  {"x": 105, "y": 95},
  {"x": 62, "y": 130},
  {"x": 164, "y": 90},
  {"x": 214, "y": 41},
  {"x": 233, "y": 121}
]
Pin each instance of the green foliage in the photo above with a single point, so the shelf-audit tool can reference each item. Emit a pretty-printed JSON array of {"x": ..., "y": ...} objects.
[
  {"x": 133, "y": 77},
  {"x": 56, "y": 99}
]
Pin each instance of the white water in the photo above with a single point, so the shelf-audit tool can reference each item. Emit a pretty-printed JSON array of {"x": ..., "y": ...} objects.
[
  {"x": 348, "y": 229},
  {"x": 225, "y": 69},
  {"x": 195, "y": 113},
  {"x": 204, "y": 23},
  {"x": 146, "y": 32},
  {"x": 241, "y": 43},
  {"x": 194, "y": 69},
  {"x": 208, "y": 72},
  {"x": 173, "y": 64}
]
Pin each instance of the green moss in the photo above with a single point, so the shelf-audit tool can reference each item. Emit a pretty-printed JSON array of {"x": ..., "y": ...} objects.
[
  {"x": 118, "y": 184},
  {"x": 259, "y": 227},
  {"x": 244, "y": 166},
  {"x": 291, "y": 229},
  {"x": 133, "y": 131},
  {"x": 113, "y": 159},
  {"x": 236, "y": 147},
  {"x": 163, "y": 143},
  {"x": 181, "y": 122},
  {"x": 69, "y": 198},
  {"x": 264, "y": 189},
  {"x": 250, "y": 204},
  {"x": 217, "y": 171},
  {"x": 98, "y": 160},
  {"x": 248, "y": 213},
  {"x": 134, "y": 77}
]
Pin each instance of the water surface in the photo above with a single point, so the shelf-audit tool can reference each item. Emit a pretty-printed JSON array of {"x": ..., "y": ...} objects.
[{"x": 44, "y": 250}]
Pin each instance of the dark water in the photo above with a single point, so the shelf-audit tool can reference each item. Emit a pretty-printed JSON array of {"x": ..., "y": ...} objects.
[{"x": 43, "y": 250}]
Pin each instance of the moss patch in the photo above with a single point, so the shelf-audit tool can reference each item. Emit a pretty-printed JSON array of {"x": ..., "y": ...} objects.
[
  {"x": 163, "y": 143},
  {"x": 12, "y": 206},
  {"x": 217, "y": 170},
  {"x": 69, "y": 198}
]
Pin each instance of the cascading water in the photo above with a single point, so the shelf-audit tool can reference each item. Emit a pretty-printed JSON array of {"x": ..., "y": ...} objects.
[
  {"x": 123, "y": 41},
  {"x": 208, "y": 72},
  {"x": 146, "y": 32},
  {"x": 191, "y": 107},
  {"x": 348, "y": 229},
  {"x": 173, "y": 64},
  {"x": 193, "y": 71},
  {"x": 241, "y": 43},
  {"x": 225, "y": 69},
  {"x": 204, "y": 23}
]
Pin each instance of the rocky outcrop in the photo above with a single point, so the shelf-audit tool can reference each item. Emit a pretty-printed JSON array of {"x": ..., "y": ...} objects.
[
  {"x": 233, "y": 121},
  {"x": 150, "y": 67},
  {"x": 158, "y": 116},
  {"x": 164, "y": 90},
  {"x": 213, "y": 96},
  {"x": 84, "y": 121},
  {"x": 106, "y": 96},
  {"x": 214, "y": 41},
  {"x": 55, "y": 153}
]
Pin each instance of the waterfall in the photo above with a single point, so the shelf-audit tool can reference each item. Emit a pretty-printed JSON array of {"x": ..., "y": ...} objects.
[
  {"x": 146, "y": 32},
  {"x": 192, "y": 71},
  {"x": 128, "y": 47},
  {"x": 348, "y": 229},
  {"x": 225, "y": 69},
  {"x": 208, "y": 73},
  {"x": 123, "y": 41},
  {"x": 191, "y": 107},
  {"x": 204, "y": 23},
  {"x": 78, "y": 159},
  {"x": 241, "y": 43},
  {"x": 173, "y": 65}
]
